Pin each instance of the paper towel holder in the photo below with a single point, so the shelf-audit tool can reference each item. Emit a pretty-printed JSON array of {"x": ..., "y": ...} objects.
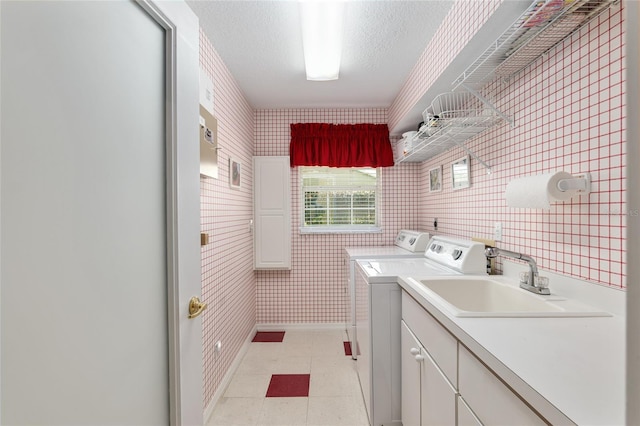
[{"x": 581, "y": 183}]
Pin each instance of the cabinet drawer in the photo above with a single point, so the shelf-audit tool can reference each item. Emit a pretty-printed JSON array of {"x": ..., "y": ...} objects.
[
  {"x": 440, "y": 344},
  {"x": 492, "y": 401}
]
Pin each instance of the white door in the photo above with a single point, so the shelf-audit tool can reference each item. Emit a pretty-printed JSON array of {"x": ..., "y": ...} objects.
[{"x": 99, "y": 214}]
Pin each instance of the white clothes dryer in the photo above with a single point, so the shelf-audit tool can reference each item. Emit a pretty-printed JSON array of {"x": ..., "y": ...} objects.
[{"x": 407, "y": 244}]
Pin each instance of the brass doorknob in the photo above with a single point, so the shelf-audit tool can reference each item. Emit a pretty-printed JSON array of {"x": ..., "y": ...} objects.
[{"x": 196, "y": 307}]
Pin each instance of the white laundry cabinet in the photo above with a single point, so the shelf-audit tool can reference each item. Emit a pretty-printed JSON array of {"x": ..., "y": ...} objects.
[
  {"x": 272, "y": 212},
  {"x": 443, "y": 383}
]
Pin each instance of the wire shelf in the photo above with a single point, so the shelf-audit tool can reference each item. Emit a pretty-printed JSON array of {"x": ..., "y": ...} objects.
[
  {"x": 450, "y": 120},
  {"x": 538, "y": 29},
  {"x": 453, "y": 118}
]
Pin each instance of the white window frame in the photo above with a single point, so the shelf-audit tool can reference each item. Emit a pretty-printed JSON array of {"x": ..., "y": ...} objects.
[{"x": 339, "y": 229}]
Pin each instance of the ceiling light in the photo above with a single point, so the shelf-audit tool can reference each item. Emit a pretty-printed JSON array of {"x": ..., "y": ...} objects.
[{"x": 322, "y": 38}]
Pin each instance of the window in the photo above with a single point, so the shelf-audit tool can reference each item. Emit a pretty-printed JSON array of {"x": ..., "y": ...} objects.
[{"x": 339, "y": 199}]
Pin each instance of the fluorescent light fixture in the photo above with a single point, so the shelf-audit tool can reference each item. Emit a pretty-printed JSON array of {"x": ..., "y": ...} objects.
[{"x": 322, "y": 38}]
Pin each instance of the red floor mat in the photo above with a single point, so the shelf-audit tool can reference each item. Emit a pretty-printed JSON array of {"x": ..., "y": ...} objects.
[
  {"x": 288, "y": 385},
  {"x": 268, "y": 336},
  {"x": 347, "y": 348}
]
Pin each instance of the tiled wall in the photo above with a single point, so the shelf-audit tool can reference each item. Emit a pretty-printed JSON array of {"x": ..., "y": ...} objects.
[
  {"x": 228, "y": 282},
  {"x": 569, "y": 115},
  {"x": 314, "y": 290},
  {"x": 463, "y": 20}
]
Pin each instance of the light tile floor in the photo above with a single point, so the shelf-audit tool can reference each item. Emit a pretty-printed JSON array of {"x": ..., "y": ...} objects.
[{"x": 334, "y": 397}]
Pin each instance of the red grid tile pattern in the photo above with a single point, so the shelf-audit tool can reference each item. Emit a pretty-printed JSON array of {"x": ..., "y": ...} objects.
[
  {"x": 461, "y": 23},
  {"x": 314, "y": 290},
  {"x": 569, "y": 115},
  {"x": 228, "y": 283}
]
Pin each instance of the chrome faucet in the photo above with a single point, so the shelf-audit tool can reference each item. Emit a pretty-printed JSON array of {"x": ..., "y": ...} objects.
[{"x": 531, "y": 282}]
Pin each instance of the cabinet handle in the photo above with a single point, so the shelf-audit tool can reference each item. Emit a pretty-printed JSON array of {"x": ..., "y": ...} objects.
[
  {"x": 419, "y": 358},
  {"x": 414, "y": 351}
]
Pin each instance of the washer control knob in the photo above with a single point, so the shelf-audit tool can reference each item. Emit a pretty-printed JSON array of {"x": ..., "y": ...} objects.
[
  {"x": 412, "y": 240},
  {"x": 438, "y": 248},
  {"x": 456, "y": 254}
]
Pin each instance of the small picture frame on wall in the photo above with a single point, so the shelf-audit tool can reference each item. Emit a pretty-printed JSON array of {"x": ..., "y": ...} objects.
[
  {"x": 435, "y": 179},
  {"x": 460, "y": 173},
  {"x": 235, "y": 173}
]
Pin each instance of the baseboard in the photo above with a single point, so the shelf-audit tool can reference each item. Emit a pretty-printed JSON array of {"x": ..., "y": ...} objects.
[
  {"x": 217, "y": 396},
  {"x": 301, "y": 326}
]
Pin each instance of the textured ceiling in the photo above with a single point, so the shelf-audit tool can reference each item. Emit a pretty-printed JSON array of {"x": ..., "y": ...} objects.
[{"x": 261, "y": 44}]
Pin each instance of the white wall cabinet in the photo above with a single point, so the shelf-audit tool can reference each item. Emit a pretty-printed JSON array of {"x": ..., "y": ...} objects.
[
  {"x": 433, "y": 395},
  {"x": 272, "y": 212}
]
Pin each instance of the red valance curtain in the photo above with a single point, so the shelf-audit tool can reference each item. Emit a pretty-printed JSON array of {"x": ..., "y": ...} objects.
[{"x": 340, "y": 145}]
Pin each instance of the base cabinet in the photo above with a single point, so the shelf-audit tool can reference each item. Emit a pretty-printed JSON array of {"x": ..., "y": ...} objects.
[{"x": 431, "y": 395}]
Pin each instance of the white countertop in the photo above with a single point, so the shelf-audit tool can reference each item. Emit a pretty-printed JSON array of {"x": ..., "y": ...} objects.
[{"x": 573, "y": 367}]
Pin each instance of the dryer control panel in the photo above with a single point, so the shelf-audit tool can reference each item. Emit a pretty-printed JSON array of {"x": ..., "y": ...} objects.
[{"x": 413, "y": 241}]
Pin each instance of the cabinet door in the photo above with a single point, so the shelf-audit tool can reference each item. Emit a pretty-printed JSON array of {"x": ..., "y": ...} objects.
[
  {"x": 437, "y": 395},
  {"x": 489, "y": 398},
  {"x": 437, "y": 340},
  {"x": 427, "y": 396},
  {"x": 465, "y": 415},
  {"x": 272, "y": 211},
  {"x": 410, "y": 377}
]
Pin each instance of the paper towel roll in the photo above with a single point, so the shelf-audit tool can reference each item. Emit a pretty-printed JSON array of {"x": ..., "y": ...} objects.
[{"x": 538, "y": 191}]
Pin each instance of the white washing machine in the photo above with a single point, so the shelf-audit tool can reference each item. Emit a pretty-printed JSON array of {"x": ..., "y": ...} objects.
[
  {"x": 408, "y": 244},
  {"x": 378, "y": 316}
]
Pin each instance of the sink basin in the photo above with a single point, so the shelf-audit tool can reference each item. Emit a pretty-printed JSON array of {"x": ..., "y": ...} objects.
[{"x": 484, "y": 297}]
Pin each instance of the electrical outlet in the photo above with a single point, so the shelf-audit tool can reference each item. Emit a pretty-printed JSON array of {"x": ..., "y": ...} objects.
[{"x": 497, "y": 231}]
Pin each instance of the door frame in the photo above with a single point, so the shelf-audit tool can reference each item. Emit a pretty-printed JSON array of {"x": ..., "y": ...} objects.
[
  {"x": 632, "y": 33},
  {"x": 183, "y": 207}
]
